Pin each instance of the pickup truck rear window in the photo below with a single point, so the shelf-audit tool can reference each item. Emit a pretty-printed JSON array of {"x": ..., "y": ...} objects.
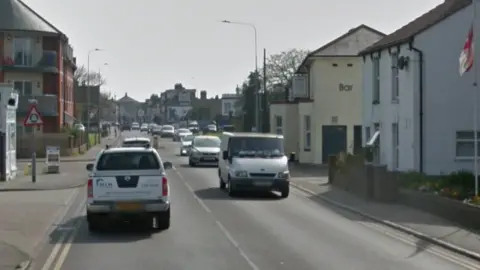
[
  {"x": 128, "y": 161},
  {"x": 135, "y": 144}
]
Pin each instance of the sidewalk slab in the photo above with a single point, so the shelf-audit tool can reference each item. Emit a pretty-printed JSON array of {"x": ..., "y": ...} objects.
[
  {"x": 418, "y": 223},
  {"x": 26, "y": 219},
  {"x": 72, "y": 175}
]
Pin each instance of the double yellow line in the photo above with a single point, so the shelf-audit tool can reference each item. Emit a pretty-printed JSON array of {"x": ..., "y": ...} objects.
[{"x": 60, "y": 250}]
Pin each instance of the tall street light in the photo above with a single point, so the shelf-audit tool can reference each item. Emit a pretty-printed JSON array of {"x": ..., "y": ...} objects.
[
  {"x": 88, "y": 93},
  {"x": 98, "y": 102},
  {"x": 257, "y": 103}
]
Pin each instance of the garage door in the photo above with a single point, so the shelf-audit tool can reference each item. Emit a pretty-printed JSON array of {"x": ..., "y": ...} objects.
[{"x": 334, "y": 141}]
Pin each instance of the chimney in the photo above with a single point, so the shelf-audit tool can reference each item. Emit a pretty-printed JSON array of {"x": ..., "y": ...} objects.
[{"x": 203, "y": 95}]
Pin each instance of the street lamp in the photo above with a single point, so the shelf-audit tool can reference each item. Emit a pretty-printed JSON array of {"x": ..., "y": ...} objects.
[
  {"x": 257, "y": 92},
  {"x": 88, "y": 93}
]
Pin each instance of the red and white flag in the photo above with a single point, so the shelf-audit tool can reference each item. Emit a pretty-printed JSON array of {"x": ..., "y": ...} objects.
[{"x": 467, "y": 55}]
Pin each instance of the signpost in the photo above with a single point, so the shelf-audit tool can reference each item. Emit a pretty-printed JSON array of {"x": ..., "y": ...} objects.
[{"x": 33, "y": 119}]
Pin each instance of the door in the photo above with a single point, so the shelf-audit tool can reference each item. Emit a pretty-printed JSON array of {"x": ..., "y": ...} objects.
[
  {"x": 334, "y": 141},
  {"x": 357, "y": 139}
]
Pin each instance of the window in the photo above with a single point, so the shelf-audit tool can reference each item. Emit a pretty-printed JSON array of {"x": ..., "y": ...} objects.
[
  {"x": 278, "y": 125},
  {"x": 395, "y": 76},
  {"x": 376, "y": 80},
  {"x": 128, "y": 161},
  {"x": 395, "y": 145},
  {"x": 24, "y": 88},
  {"x": 308, "y": 133},
  {"x": 22, "y": 51},
  {"x": 247, "y": 146},
  {"x": 227, "y": 108},
  {"x": 465, "y": 143}
]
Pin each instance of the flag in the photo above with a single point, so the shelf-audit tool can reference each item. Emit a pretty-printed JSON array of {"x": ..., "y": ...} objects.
[{"x": 467, "y": 55}]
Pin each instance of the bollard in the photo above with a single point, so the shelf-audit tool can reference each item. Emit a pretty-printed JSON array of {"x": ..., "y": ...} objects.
[{"x": 332, "y": 168}]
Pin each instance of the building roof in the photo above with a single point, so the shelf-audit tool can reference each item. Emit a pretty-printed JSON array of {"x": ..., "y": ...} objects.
[
  {"x": 15, "y": 15},
  {"x": 125, "y": 98},
  {"x": 420, "y": 24},
  {"x": 350, "y": 32}
]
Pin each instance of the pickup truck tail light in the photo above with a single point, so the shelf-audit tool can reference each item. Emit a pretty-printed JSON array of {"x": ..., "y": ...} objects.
[
  {"x": 90, "y": 188},
  {"x": 164, "y": 186}
]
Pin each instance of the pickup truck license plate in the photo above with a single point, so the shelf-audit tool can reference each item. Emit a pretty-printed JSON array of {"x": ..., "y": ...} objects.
[
  {"x": 262, "y": 183},
  {"x": 128, "y": 206}
]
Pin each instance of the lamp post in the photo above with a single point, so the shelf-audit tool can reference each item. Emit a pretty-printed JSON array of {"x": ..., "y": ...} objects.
[
  {"x": 257, "y": 92},
  {"x": 88, "y": 94}
]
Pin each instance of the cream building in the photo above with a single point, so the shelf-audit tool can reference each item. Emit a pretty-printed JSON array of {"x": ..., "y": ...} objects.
[{"x": 324, "y": 114}]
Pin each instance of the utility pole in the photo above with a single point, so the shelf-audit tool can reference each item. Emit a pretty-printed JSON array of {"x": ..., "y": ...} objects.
[{"x": 265, "y": 116}]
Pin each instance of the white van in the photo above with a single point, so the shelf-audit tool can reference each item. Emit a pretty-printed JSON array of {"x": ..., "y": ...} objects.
[{"x": 253, "y": 161}]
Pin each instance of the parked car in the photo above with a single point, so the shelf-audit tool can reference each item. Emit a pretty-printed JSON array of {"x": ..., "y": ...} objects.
[
  {"x": 157, "y": 131},
  {"x": 79, "y": 127}
]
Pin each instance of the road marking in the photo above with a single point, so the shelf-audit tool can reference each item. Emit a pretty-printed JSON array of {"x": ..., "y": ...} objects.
[
  {"x": 61, "y": 241},
  {"x": 66, "y": 249},
  {"x": 219, "y": 225},
  {"x": 405, "y": 238}
]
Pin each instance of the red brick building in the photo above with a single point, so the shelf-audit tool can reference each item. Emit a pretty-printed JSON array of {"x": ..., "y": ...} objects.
[{"x": 38, "y": 60}]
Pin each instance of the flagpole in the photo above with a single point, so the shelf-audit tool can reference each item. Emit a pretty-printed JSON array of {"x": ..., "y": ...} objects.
[{"x": 475, "y": 94}]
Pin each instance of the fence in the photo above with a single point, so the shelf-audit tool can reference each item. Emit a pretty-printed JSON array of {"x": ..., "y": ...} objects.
[{"x": 67, "y": 143}]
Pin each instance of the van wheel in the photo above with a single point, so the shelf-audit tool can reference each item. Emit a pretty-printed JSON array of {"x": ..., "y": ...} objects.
[
  {"x": 222, "y": 184},
  {"x": 231, "y": 190},
  {"x": 191, "y": 163},
  {"x": 285, "y": 192}
]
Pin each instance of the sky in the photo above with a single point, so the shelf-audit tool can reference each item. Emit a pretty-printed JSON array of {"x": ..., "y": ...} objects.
[{"x": 149, "y": 45}]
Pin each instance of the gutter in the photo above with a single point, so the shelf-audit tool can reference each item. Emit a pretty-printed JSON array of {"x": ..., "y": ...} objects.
[{"x": 421, "y": 109}]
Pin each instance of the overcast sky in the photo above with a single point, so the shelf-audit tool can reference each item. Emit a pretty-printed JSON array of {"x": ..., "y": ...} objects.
[{"x": 150, "y": 45}]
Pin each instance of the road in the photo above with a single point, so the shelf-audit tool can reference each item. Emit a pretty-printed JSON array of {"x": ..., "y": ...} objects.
[{"x": 211, "y": 231}]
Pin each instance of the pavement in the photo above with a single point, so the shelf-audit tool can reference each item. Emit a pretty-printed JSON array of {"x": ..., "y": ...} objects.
[
  {"x": 211, "y": 231},
  {"x": 27, "y": 218}
]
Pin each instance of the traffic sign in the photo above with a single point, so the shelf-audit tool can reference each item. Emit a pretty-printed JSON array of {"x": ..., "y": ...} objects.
[{"x": 33, "y": 118}]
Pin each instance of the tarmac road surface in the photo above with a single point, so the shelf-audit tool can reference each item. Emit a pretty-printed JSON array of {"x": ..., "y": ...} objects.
[{"x": 211, "y": 231}]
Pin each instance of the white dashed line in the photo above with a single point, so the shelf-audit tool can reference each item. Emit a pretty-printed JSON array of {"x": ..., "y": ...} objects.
[{"x": 219, "y": 225}]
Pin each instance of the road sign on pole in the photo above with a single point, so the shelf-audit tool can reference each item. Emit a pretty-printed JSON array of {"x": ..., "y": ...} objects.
[{"x": 33, "y": 117}]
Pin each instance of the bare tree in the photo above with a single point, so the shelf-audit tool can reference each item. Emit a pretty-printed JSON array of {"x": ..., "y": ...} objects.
[
  {"x": 81, "y": 77},
  {"x": 282, "y": 66}
]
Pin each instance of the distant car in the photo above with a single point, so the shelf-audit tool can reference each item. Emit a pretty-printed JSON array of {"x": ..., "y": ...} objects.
[
  {"x": 135, "y": 126},
  {"x": 180, "y": 133},
  {"x": 128, "y": 183},
  {"x": 136, "y": 142},
  {"x": 210, "y": 129},
  {"x": 186, "y": 143},
  {"x": 79, "y": 127},
  {"x": 204, "y": 150},
  {"x": 125, "y": 127},
  {"x": 157, "y": 131},
  {"x": 144, "y": 128},
  {"x": 228, "y": 128},
  {"x": 167, "y": 131}
]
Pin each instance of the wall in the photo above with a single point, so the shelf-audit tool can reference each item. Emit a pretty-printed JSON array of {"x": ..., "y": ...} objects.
[
  {"x": 448, "y": 105},
  {"x": 289, "y": 114},
  {"x": 330, "y": 102},
  {"x": 232, "y": 103},
  {"x": 448, "y": 97}
]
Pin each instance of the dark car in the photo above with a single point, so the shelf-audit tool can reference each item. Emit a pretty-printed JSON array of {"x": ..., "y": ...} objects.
[{"x": 125, "y": 127}]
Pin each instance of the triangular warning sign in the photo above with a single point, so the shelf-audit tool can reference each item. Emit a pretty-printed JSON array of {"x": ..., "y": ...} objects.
[{"x": 33, "y": 118}]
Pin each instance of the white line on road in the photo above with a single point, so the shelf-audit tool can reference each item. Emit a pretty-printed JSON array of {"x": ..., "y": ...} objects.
[
  {"x": 66, "y": 249},
  {"x": 219, "y": 224},
  {"x": 61, "y": 241}
]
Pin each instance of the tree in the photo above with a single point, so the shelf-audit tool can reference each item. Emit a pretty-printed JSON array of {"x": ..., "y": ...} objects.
[
  {"x": 249, "y": 108},
  {"x": 80, "y": 77},
  {"x": 282, "y": 66}
]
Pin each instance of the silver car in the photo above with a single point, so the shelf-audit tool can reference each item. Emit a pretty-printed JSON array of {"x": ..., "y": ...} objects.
[
  {"x": 204, "y": 151},
  {"x": 186, "y": 143}
]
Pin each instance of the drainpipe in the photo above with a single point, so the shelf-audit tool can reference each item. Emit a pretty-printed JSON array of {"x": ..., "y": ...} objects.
[{"x": 420, "y": 92}]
